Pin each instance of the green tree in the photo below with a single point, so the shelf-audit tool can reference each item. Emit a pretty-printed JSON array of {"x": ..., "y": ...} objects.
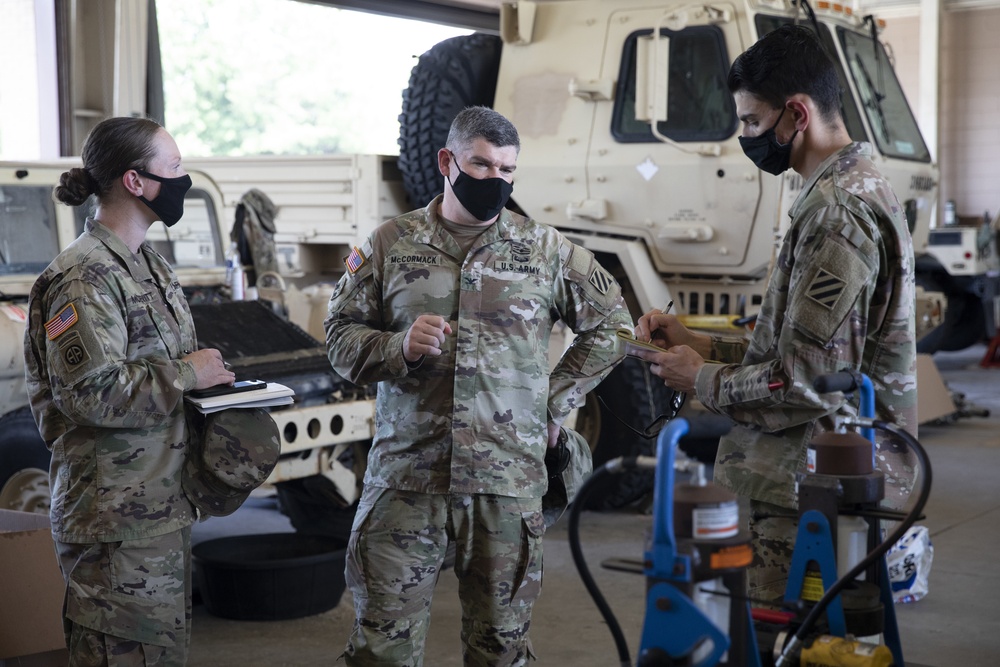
[{"x": 281, "y": 77}]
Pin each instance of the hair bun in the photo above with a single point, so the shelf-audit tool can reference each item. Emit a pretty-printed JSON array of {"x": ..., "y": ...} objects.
[{"x": 76, "y": 186}]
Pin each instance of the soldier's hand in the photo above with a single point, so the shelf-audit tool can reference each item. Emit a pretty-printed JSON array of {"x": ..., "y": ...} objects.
[
  {"x": 209, "y": 368},
  {"x": 553, "y": 434},
  {"x": 425, "y": 337},
  {"x": 678, "y": 367},
  {"x": 666, "y": 331}
]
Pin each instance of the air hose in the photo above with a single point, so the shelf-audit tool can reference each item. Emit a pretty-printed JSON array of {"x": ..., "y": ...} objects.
[{"x": 613, "y": 466}]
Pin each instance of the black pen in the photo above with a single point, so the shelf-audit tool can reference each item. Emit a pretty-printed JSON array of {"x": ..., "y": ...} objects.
[{"x": 670, "y": 304}]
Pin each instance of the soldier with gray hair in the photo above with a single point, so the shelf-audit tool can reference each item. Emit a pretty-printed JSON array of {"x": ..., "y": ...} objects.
[
  {"x": 450, "y": 308},
  {"x": 109, "y": 353},
  {"x": 840, "y": 297}
]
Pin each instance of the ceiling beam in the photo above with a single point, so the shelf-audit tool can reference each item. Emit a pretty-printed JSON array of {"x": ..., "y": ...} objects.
[{"x": 470, "y": 15}]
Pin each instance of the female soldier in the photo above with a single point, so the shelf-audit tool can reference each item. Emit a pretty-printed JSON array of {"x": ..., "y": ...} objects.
[{"x": 108, "y": 358}]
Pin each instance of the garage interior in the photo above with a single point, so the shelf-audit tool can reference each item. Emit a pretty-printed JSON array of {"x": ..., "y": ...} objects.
[{"x": 944, "y": 54}]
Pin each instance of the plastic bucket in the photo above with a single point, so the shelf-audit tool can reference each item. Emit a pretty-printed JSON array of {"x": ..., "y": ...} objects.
[{"x": 269, "y": 577}]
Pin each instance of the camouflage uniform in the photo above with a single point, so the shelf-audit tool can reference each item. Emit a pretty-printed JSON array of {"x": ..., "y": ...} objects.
[
  {"x": 106, "y": 332},
  {"x": 841, "y": 296},
  {"x": 468, "y": 427}
]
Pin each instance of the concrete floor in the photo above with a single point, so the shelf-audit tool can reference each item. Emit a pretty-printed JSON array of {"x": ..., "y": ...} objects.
[{"x": 955, "y": 625}]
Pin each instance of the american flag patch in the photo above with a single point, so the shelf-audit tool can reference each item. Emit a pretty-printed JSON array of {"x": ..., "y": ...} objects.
[
  {"x": 355, "y": 260},
  {"x": 64, "y": 320}
]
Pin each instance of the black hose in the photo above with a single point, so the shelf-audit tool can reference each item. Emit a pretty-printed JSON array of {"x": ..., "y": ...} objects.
[
  {"x": 614, "y": 465},
  {"x": 911, "y": 517}
]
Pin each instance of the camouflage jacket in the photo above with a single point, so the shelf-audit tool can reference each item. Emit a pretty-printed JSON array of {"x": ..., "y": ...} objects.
[
  {"x": 106, "y": 330},
  {"x": 473, "y": 420},
  {"x": 841, "y": 296}
]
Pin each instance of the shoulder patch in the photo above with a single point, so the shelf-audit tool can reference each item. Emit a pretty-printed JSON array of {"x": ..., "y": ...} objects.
[
  {"x": 601, "y": 280},
  {"x": 73, "y": 351},
  {"x": 826, "y": 289},
  {"x": 355, "y": 260},
  {"x": 66, "y": 318}
]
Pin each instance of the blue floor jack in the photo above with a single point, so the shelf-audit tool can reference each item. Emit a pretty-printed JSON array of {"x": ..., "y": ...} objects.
[{"x": 697, "y": 613}]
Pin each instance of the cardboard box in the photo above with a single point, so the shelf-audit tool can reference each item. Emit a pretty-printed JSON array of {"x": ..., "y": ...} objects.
[{"x": 31, "y": 592}]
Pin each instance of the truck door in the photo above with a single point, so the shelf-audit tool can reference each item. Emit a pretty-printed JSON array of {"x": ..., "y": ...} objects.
[{"x": 677, "y": 176}]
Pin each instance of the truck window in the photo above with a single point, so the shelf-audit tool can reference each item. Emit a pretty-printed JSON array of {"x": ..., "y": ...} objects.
[
  {"x": 28, "y": 236},
  {"x": 194, "y": 241},
  {"x": 894, "y": 128},
  {"x": 700, "y": 107}
]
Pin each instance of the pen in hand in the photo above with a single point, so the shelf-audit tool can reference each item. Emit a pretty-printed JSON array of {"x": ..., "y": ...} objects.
[{"x": 666, "y": 309}]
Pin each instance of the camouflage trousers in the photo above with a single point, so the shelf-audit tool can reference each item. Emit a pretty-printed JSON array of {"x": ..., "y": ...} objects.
[
  {"x": 128, "y": 604},
  {"x": 395, "y": 555},
  {"x": 772, "y": 530}
]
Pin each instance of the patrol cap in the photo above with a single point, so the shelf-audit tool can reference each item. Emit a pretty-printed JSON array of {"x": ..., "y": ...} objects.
[
  {"x": 568, "y": 465},
  {"x": 232, "y": 453}
]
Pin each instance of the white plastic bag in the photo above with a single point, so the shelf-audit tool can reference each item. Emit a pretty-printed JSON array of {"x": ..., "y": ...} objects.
[{"x": 909, "y": 564}]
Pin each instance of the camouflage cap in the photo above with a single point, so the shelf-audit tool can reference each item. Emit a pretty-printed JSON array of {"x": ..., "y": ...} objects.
[
  {"x": 232, "y": 453},
  {"x": 568, "y": 465}
]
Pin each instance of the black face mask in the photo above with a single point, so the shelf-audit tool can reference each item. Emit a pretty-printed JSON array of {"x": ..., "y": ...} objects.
[
  {"x": 169, "y": 204},
  {"x": 482, "y": 197},
  {"x": 766, "y": 152}
]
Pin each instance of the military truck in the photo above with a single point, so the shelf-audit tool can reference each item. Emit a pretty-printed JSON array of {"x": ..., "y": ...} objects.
[{"x": 629, "y": 147}]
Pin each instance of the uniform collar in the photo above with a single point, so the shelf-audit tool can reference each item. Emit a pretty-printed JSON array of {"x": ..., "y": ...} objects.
[
  {"x": 430, "y": 231},
  {"x": 857, "y": 149},
  {"x": 138, "y": 265}
]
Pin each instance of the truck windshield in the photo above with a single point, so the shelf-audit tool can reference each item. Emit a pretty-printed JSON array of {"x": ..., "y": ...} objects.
[
  {"x": 893, "y": 126},
  {"x": 848, "y": 109},
  {"x": 28, "y": 237},
  {"x": 895, "y": 130}
]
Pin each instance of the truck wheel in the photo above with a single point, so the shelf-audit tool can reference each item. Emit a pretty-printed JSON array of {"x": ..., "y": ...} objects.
[
  {"x": 21, "y": 446},
  {"x": 637, "y": 397},
  {"x": 454, "y": 74},
  {"x": 964, "y": 321}
]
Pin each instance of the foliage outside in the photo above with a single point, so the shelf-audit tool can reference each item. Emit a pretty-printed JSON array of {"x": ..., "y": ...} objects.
[{"x": 246, "y": 77}]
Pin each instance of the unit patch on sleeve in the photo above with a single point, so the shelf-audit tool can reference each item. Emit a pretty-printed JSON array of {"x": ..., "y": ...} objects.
[
  {"x": 73, "y": 351},
  {"x": 601, "y": 280},
  {"x": 66, "y": 318},
  {"x": 826, "y": 288},
  {"x": 355, "y": 260}
]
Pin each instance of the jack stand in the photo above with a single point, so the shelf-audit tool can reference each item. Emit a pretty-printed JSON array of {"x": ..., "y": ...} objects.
[{"x": 842, "y": 475}]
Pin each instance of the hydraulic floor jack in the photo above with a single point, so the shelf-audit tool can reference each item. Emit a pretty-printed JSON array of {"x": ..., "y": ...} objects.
[{"x": 697, "y": 612}]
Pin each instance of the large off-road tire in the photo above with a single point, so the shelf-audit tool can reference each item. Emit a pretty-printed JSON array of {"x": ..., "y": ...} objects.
[
  {"x": 964, "y": 322},
  {"x": 457, "y": 73},
  {"x": 630, "y": 393},
  {"x": 21, "y": 447}
]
